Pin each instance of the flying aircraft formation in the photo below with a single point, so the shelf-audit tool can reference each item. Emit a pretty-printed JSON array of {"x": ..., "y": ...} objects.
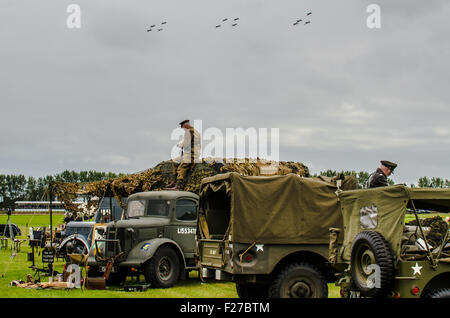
[
  {"x": 233, "y": 21},
  {"x": 300, "y": 20},
  {"x": 154, "y": 25}
]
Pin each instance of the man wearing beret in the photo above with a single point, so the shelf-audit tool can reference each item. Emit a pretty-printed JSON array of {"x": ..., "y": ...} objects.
[
  {"x": 191, "y": 148},
  {"x": 379, "y": 177}
]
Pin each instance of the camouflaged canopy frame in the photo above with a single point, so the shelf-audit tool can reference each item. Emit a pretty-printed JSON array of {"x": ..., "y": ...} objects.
[{"x": 157, "y": 178}]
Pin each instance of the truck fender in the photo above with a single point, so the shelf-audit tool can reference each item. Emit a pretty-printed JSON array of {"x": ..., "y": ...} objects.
[{"x": 146, "y": 249}]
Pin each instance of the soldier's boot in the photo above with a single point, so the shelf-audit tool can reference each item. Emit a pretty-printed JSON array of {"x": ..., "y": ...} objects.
[
  {"x": 171, "y": 184},
  {"x": 178, "y": 185}
]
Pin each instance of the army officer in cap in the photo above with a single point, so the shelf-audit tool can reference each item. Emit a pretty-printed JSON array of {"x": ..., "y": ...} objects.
[
  {"x": 379, "y": 177},
  {"x": 191, "y": 149}
]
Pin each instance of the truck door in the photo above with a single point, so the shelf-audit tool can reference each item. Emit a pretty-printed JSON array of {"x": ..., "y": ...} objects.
[{"x": 183, "y": 231}]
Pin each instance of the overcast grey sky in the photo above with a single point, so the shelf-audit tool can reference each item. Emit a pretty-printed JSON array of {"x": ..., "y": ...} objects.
[{"x": 108, "y": 95}]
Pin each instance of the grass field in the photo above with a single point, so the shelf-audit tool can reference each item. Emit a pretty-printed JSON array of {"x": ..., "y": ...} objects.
[{"x": 18, "y": 267}]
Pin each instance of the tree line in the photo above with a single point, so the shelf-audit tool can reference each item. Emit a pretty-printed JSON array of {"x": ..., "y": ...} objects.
[
  {"x": 362, "y": 178},
  {"x": 20, "y": 188}
]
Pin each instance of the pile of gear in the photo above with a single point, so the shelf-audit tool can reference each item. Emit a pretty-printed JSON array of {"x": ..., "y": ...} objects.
[
  {"x": 414, "y": 246},
  {"x": 158, "y": 177},
  {"x": 36, "y": 284},
  {"x": 435, "y": 228}
]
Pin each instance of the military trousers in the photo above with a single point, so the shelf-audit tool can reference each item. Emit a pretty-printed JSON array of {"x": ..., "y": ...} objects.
[{"x": 182, "y": 165}]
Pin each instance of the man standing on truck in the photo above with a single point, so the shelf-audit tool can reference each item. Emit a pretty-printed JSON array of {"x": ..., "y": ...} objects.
[
  {"x": 379, "y": 177},
  {"x": 190, "y": 153}
]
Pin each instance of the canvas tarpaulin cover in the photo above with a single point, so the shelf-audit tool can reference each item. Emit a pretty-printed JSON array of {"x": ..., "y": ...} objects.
[
  {"x": 286, "y": 209},
  {"x": 383, "y": 210}
]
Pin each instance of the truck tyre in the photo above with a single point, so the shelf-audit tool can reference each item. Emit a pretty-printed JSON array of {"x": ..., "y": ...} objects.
[
  {"x": 372, "y": 264},
  {"x": 248, "y": 290},
  {"x": 163, "y": 269},
  {"x": 299, "y": 280},
  {"x": 439, "y": 293}
]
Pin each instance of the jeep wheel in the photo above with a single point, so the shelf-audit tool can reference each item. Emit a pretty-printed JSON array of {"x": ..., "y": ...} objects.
[
  {"x": 299, "y": 280},
  {"x": 439, "y": 293},
  {"x": 372, "y": 264},
  {"x": 248, "y": 290},
  {"x": 163, "y": 269}
]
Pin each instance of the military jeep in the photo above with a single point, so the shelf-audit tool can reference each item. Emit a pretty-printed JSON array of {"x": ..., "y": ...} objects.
[
  {"x": 269, "y": 234},
  {"x": 156, "y": 239},
  {"x": 381, "y": 256}
]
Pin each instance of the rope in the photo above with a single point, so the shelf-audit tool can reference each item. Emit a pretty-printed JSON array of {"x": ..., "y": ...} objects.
[{"x": 242, "y": 254}]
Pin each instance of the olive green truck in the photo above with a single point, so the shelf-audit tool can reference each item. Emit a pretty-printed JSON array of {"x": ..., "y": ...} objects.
[
  {"x": 270, "y": 234},
  {"x": 156, "y": 238}
]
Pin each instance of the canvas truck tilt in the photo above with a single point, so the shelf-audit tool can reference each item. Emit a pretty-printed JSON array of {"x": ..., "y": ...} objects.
[
  {"x": 156, "y": 238},
  {"x": 381, "y": 256},
  {"x": 269, "y": 234}
]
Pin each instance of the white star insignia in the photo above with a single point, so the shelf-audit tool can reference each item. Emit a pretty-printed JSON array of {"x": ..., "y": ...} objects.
[
  {"x": 260, "y": 247},
  {"x": 417, "y": 269}
]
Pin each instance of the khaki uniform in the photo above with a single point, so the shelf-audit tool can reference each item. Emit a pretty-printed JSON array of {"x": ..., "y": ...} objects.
[{"x": 191, "y": 147}]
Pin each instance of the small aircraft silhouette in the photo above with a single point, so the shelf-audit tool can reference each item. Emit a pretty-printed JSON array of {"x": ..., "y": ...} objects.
[
  {"x": 309, "y": 13},
  {"x": 152, "y": 26},
  {"x": 218, "y": 26},
  {"x": 234, "y": 24},
  {"x": 163, "y": 22},
  {"x": 299, "y": 20},
  {"x": 223, "y": 20},
  {"x": 160, "y": 29},
  {"x": 307, "y": 22},
  {"x": 236, "y": 19},
  {"x": 149, "y": 30},
  {"x": 295, "y": 23}
]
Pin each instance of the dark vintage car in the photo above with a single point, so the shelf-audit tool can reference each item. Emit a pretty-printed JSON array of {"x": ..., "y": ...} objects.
[
  {"x": 75, "y": 239},
  {"x": 4, "y": 230}
]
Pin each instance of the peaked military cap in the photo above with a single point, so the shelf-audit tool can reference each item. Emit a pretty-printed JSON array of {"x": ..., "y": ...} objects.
[
  {"x": 389, "y": 164},
  {"x": 184, "y": 122}
]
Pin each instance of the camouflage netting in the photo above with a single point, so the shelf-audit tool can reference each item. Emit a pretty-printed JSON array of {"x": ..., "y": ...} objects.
[
  {"x": 438, "y": 228},
  {"x": 158, "y": 177}
]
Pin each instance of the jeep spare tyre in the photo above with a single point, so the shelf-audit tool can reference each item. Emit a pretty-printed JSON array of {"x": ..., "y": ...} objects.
[{"x": 372, "y": 264}]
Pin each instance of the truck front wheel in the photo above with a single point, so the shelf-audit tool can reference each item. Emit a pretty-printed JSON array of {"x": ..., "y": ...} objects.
[
  {"x": 163, "y": 269},
  {"x": 299, "y": 280}
]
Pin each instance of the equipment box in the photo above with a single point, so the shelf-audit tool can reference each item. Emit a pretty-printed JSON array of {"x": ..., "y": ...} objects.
[{"x": 136, "y": 288}]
